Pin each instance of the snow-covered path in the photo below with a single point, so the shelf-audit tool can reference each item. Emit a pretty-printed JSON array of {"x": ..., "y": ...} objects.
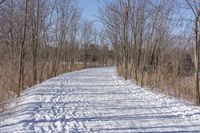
[{"x": 96, "y": 100}]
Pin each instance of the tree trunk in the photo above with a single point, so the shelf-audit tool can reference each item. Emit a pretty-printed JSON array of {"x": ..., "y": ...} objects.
[
  {"x": 126, "y": 40},
  {"x": 22, "y": 54},
  {"x": 197, "y": 61}
]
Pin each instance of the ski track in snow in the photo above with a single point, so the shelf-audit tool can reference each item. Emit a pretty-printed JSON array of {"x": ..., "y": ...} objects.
[{"x": 96, "y": 100}]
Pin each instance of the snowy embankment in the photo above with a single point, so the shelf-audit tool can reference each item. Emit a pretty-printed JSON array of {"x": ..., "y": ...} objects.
[{"x": 96, "y": 100}]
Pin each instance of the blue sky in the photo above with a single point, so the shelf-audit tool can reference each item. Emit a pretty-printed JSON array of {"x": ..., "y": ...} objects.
[{"x": 89, "y": 9}]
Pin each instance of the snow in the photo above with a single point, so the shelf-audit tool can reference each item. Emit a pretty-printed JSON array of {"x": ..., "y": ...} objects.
[{"x": 96, "y": 100}]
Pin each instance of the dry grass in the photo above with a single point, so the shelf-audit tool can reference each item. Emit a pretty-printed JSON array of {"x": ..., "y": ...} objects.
[
  {"x": 170, "y": 84},
  {"x": 181, "y": 87},
  {"x": 9, "y": 77}
]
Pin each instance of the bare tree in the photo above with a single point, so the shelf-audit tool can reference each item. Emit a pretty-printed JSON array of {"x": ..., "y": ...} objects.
[
  {"x": 86, "y": 36},
  {"x": 195, "y": 7},
  {"x": 22, "y": 53}
]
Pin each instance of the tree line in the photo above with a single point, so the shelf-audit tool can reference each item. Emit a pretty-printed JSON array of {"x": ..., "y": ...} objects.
[
  {"x": 156, "y": 43},
  {"x": 40, "y": 39}
]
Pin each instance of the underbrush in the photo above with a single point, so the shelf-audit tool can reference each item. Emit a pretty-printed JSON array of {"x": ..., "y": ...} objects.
[
  {"x": 178, "y": 86},
  {"x": 9, "y": 77}
]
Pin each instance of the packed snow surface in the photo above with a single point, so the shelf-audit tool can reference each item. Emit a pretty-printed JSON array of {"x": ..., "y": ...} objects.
[{"x": 96, "y": 100}]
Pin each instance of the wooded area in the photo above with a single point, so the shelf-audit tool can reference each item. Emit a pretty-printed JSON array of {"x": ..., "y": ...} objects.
[
  {"x": 154, "y": 43},
  {"x": 40, "y": 39}
]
